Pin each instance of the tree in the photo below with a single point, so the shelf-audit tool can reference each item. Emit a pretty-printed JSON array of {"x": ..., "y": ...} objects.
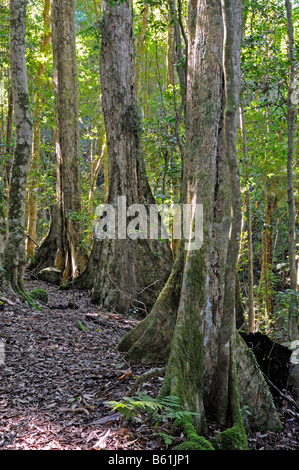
[
  {"x": 293, "y": 314},
  {"x": 193, "y": 320},
  {"x": 251, "y": 318},
  {"x": 61, "y": 247},
  {"x": 14, "y": 254},
  {"x": 35, "y": 159},
  {"x": 124, "y": 273}
]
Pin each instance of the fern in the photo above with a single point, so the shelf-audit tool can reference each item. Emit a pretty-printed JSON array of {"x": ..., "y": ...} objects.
[
  {"x": 157, "y": 409},
  {"x": 130, "y": 407}
]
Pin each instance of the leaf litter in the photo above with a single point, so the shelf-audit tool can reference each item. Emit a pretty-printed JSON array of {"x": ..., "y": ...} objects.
[{"x": 61, "y": 367}]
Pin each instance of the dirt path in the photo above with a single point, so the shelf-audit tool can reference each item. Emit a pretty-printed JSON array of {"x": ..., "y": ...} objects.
[{"x": 60, "y": 368}]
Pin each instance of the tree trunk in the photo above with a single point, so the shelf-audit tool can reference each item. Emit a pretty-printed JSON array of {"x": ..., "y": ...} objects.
[
  {"x": 293, "y": 313},
  {"x": 266, "y": 284},
  {"x": 68, "y": 180},
  {"x": 170, "y": 54},
  {"x": 180, "y": 49},
  {"x": 33, "y": 179},
  {"x": 124, "y": 273},
  {"x": 2, "y": 226},
  {"x": 8, "y": 137},
  {"x": 68, "y": 186},
  {"x": 251, "y": 317},
  {"x": 14, "y": 255},
  {"x": 139, "y": 46},
  {"x": 193, "y": 321}
]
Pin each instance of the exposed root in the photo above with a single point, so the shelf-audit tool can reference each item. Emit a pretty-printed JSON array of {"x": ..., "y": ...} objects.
[{"x": 156, "y": 372}]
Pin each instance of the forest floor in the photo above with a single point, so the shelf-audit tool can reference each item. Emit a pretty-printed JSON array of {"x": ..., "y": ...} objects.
[{"x": 61, "y": 367}]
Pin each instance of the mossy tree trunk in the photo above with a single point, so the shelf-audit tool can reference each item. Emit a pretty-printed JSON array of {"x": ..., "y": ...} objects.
[
  {"x": 14, "y": 254},
  {"x": 124, "y": 273},
  {"x": 193, "y": 320}
]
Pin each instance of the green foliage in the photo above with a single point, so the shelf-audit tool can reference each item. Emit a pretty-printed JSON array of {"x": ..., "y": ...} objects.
[
  {"x": 285, "y": 301},
  {"x": 157, "y": 409},
  {"x": 80, "y": 326},
  {"x": 131, "y": 407}
]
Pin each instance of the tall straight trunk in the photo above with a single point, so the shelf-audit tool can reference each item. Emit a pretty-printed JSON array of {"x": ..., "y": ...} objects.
[
  {"x": 68, "y": 186},
  {"x": 170, "y": 54},
  {"x": 231, "y": 12},
  {"x": 293, "y": 314},
  {"x": 14, "y": 255},
  {"x": 8, "y": 160},
  {"x": 199, "y": 275},
  {"x": 180, "y": 49},
  {"x": 192, "y": 323},
  {"x": 61, "y": 247},
  {"x": 2, "y": 225},
  {"x": 251, "y": 319},
  {"x": 8, "y": 136},
  {"x": 266, "y": 284},
  {"x": 124, "y": 273},
  {"x": 33, "y": 180},
  {"x": 139, "y": 46}
]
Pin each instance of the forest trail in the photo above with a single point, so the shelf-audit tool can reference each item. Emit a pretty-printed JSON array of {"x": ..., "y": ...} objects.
[{"x": 61, "y": 366}]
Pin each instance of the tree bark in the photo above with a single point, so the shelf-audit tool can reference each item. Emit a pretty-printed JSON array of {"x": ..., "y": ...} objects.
[
  {"x": 124, "y": 273},
  {"x": 68, "y": 179},
  {"x": 180, "y": 52},
  {"x": 170, "y": 54},
  {"x": 8, "y": 137},
  {"x": 14, "y": 255},
  {"x": 293, "y": 313},
  {"x": 68, "y": 186},
  {"x": 33, "y": 179},
  {"x": 193, "y": 320},
  {"x": 251, "y": 316},
  {"x": 139, "y": 46}
]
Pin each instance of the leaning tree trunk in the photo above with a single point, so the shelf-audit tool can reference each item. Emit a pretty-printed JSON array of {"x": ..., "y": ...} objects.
[
  {"x": 124, "y": 272},
  {"x": 14, "y": 255},
  {"x": 68, "y": 185},
  {"x": 193, "y": 320}
]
